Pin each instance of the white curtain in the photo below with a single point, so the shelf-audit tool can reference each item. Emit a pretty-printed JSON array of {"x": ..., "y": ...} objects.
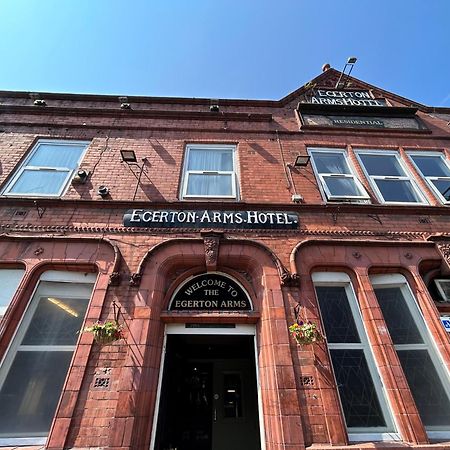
[
  {"x": 219, "y": 160},
  {"x": 331, "y": 163},
  {"x": 199, "y": 184},
  {"x": 48, "y": 155},
  {"x": 39, "y": 182}
]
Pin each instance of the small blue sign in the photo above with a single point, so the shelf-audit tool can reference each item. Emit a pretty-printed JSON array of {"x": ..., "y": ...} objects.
[{"x": 446, "y": 322}]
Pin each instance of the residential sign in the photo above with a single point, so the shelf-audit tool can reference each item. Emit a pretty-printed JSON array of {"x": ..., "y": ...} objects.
[
  {"x": 157, "y": 218},
  {"x": 356, "y": 122}
]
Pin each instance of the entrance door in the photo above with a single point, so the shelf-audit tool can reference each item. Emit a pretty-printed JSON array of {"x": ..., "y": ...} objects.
[
  {"x": 235, "y": 409},
  {"x": 208, "y": 395}
]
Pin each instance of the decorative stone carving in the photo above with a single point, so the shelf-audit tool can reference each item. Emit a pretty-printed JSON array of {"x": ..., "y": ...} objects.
[
  {"x": 211, "y": 241},
  {"x": 135, "y": 279},
  {"x": 289, "y": 279},
  {"x": 38, "y": 251},
  {"x": 173, "y": 276},
  {"x": 246, "y": 275},
  {"x": 444, "y": 248},
  {"x": 114, "y": 279}
]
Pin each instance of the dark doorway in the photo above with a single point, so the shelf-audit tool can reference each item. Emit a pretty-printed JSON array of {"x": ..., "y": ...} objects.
[{"x": 208, "y": 394}]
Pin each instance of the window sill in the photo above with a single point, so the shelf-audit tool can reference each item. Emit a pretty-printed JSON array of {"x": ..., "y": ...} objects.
[
  {"x": 373, "y": 437},
  {"x": 210, "y": 199},
  {"x": 21, "y": 442},
  {"x": 30, "y": 196},
  {"x": 358, "y": 201},
  {"x": 438, "y": 435}
]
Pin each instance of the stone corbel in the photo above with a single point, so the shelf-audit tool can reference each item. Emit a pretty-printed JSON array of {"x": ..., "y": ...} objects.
[
  {"x": 114, "y": 279},
  {"x": 289, "y": 279},
  {"x": 444, "y": 248},
  {"x": 135, "y": 279},
  {"x": 211, "y": 241}
]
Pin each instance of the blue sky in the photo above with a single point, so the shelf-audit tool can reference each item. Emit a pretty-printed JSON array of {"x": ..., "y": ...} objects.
[{"x": 261, "y": 49}]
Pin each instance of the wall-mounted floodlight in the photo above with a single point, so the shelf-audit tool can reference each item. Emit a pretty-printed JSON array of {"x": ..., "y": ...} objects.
[
  {"x": 128, "y": 156},
  {"x": 301, "y": 160},
  {"x": 351, "y": 61}
]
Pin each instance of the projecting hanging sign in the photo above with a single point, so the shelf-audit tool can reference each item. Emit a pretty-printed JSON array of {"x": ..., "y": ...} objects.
[
  {"x": 446, "y": 322},
  {"x": 346, "y": 98},
  {"x": 155, "y": 218},
  {"x": 210, "y": 292}
]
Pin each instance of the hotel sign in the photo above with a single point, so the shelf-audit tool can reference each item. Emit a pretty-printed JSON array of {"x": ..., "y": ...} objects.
[
  {"x": 158, "y": 218},
  {"x": 210, "y": 292},
  {"x": 346, "y": 98}
]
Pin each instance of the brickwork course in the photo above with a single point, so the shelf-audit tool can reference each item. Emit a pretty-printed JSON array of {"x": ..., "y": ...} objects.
[{"x": 138, "y": 269}]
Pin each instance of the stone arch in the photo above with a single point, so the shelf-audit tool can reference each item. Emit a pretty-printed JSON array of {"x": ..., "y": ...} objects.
[
  {"x": 39, "y": 253},
  {"x": 259, "y": 269}
]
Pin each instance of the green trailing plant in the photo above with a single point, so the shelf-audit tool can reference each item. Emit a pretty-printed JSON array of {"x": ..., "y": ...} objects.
[
  {"x": 105, "y": 332},
  {"x": 305, "y": 333}
]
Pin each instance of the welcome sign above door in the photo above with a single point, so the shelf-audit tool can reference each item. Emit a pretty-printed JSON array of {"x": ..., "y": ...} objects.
[{"x": 210, "y": 292}]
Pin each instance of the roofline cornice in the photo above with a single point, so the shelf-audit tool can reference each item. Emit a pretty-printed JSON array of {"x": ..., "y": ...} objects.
[{"x": 221, "y": 101}]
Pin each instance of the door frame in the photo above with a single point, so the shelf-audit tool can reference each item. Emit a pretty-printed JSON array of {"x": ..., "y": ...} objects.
[{"x": 211, "y": 329}]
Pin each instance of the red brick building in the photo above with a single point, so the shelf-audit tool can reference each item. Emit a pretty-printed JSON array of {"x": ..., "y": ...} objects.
[{"x": 194, "y": 224}]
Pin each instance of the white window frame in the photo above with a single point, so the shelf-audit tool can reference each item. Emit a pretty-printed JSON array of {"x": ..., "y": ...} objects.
[
  {"x": 429, "y": 179},
  {"x": 399, "y": 281},
  {"x": 406, "y": 177},
  {"x": 24, "y": 166},
  {"x": 387, "y": 433},
  {"x": 326, "y": 194},
  {"x": 232, "y": 174},
  {"x": 71, "y": 278}
]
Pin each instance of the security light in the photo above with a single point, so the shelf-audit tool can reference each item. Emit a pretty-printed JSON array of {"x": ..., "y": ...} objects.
[
  {"x": 346, "y": 71},
  {"x": 301, "y": 161},
  {"x": 128, "y": 156}
]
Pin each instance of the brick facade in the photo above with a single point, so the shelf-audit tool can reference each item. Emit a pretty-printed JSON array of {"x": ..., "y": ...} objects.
[{"x": 139, "y": 268}]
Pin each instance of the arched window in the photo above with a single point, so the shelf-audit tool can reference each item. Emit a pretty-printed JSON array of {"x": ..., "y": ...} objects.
[{"x": 33, "y": 370}]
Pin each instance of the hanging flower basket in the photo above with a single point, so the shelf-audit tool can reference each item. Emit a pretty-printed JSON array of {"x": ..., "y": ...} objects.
[
  {"x": 305, "y": 333},
  {"x": 105, "y": 332}
]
